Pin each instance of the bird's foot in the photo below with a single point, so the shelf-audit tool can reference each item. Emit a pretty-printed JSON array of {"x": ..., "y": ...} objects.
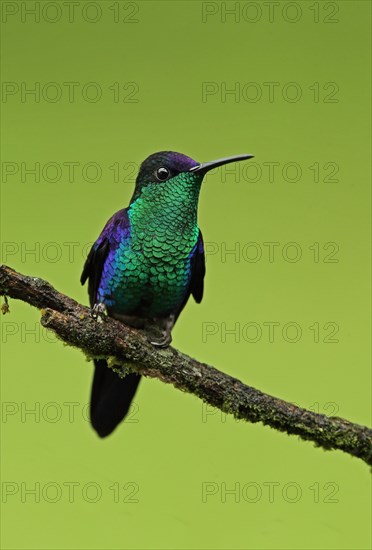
[
  {"x": 166, "y": 334},
  {"x": 99, "y": 311},
  {"x": 163, "y": 342}
]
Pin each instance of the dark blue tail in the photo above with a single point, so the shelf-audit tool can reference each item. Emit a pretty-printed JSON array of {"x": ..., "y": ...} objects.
[{"x": 111, "y": 397}]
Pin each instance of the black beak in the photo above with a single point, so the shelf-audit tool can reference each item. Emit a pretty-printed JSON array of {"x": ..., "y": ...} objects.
[{"x": 206, "y": 166}]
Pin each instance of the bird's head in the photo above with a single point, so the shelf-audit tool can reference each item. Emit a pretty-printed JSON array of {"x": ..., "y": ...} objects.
[{"x": 162, "y": 170}]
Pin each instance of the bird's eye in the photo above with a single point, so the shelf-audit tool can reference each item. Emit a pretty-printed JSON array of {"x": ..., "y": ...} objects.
[{"x": 162, "y": 173}]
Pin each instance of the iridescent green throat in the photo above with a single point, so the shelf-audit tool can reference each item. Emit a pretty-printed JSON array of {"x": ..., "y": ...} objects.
[{"x": 170, "y": 206}]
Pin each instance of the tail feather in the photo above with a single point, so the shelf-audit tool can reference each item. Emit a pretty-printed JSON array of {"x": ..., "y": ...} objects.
[{"x": 111, "y": 397}]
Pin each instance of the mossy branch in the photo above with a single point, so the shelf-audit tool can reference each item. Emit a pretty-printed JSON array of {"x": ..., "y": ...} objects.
[{"x": 122, "y": 345}]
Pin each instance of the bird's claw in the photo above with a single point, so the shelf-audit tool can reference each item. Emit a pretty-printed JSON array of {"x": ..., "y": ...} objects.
[
  {"x": 166, "y": 333},
  {"x": 163, "y": 342},
  {"x": 99, "y": 311}
]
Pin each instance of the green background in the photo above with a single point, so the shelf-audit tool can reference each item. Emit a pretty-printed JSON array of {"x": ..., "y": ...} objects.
[{"x": 173, "y": 445}]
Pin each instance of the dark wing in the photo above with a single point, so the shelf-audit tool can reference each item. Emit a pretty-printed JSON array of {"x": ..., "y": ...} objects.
[
  {"x": 93, "y": 268},
  {"x": 109, "y": 237},
  {"x": 198, "y": 270}
]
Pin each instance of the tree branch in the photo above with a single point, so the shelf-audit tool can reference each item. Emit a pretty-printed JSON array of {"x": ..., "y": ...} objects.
[{"x": 128, "y": 349}]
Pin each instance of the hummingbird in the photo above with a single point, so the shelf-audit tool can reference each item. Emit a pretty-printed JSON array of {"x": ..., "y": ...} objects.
[{"x": 147, "y": 261}]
